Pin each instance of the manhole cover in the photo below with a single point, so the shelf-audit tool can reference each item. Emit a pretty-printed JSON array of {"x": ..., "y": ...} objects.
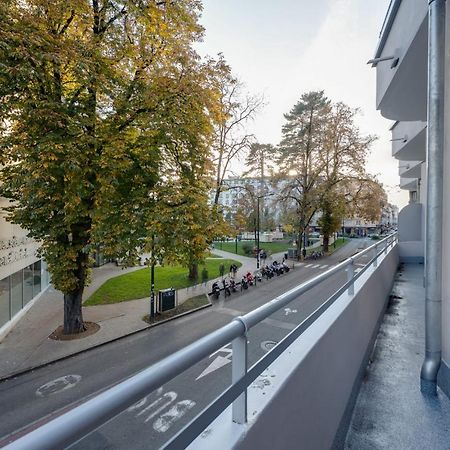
[{"x": 268, "y": 345}]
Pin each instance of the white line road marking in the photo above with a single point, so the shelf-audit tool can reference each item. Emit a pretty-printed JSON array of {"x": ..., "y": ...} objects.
[
  {"x": 358, "y": 269},
  {"x": 164, "y": 422},
  {"x": 219, "y": 361},
  {"x": 315, "y": 266},
  {"x": 58, "y": 385},
  {"x": 359, "y": 264},
  {"x": 288, "y": 311},
  {"x": 308, "y": 265},
  {"x": 173, "y": 411},
  {"x": 170, "y": 396},
  {"x": 324, "y": 266}
]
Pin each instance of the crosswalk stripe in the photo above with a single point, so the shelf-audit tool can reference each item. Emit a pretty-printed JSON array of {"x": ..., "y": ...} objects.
[
  {"x": 324, "y": 266},
  {"x": 308, "y": 265},
  {"x": 315, "y": 266}
]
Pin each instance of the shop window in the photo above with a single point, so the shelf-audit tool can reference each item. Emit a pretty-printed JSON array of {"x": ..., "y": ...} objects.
[
  {"x": 27, "y": 284},
  {"x": 5, "y": 313},
  {"x": 36, "y": 278},
  {"x": 16, "y": 292}
]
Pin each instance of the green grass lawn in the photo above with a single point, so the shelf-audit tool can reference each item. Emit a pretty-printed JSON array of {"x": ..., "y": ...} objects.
[
  {"x": 331, "y": 249},
  {"x": 188, "y": 305},
  {"x": 134, "y": 285},
  {"x": 269, "y": 247}
]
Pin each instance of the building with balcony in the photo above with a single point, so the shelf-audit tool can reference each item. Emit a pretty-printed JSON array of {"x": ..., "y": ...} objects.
[{"x": 324, "y": 384}]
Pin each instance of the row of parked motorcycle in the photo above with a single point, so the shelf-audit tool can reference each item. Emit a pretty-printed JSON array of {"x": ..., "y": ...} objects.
[{"x": 249, "y": 279}]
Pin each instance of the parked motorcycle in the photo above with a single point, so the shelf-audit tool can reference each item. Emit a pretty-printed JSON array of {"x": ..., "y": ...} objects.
[
  {"x": 216, "y": 290},
  {"x": 226, "y": 288},
  {"x": 250, "y": 278},
  {"x": 233, "y": 286},
  {"x": 244, "y": 283}
]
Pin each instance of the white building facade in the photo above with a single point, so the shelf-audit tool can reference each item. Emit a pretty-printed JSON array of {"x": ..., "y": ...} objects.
[
  {"x": 23, "y": 276},
  {"x": 413, "y": 90}
]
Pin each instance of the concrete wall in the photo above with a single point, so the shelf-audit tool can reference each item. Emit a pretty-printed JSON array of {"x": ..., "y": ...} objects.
[
  {"x": 305, "y": 397},
  {"x": 410, "y": 233}
]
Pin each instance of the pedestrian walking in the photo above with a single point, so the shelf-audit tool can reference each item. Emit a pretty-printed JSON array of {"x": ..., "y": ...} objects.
[
  {"x": 222, "y": 270},
  {"x": 234, "y": 270},
  {"x": 204, "y": 276}
]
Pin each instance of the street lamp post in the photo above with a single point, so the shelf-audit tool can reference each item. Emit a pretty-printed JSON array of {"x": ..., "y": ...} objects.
[{"x": 152, "y": 280}]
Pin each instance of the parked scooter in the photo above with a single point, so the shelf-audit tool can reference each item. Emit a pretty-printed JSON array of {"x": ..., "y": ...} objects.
[
  {"x": 233, "y": 286},
  {"x": 250, "y": 278},
  {"x": 258, "y": 276},
  {"x": 216, "y": 290},
  {"x": 226, "y": 288},
  {"x": 244, "y": 283}
]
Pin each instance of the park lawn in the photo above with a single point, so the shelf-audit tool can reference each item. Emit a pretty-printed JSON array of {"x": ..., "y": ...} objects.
[
  {"x": 340, "y": 242},
  {"x": 188, "y": 305},
  {"x": 135, "y": 285},
  {"x": 269, "y": 247}
]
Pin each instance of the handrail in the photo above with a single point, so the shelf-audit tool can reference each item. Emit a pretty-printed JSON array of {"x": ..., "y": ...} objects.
[{"x": 82, "y": 420}]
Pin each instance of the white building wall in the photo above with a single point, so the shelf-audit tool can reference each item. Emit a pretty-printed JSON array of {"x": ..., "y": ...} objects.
[{"x": 23, "y": 276}]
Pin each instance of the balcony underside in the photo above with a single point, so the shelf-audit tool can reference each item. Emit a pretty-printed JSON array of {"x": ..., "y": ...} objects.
[
  {"x": 406, "y": 96},
  {"x": 414, "y": 149}
]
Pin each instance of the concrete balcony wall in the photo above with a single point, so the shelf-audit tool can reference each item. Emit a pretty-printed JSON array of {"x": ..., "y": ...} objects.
[
  {"x": 401, "y": 90},
  {"x": 409, "y": 141},
  {"x": 410, "y": 169},
  {"x": 409, "y": 184},
  {"x": 410, "y": 233},
  {"x": 306, "y": 397}
]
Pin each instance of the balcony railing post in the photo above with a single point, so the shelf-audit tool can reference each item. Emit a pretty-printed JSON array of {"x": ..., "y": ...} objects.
[
  {"x": 375, "y": 253},
  {"x": 238, "y": 370},
  {"x": 350, "y": 275}
]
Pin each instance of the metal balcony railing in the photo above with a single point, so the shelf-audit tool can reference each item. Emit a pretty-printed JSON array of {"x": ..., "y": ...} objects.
[{"x": 80, "y": 421}]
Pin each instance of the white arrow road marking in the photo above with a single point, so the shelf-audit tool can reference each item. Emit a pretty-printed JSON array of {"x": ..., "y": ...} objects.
[
  {"x": 358, "y": 269},
  {"x": 288, "y": 311},
  {"x": 219, "y": 361},
  {"x": 58, "y": 385},
  {"x": 164, "y": 422}
]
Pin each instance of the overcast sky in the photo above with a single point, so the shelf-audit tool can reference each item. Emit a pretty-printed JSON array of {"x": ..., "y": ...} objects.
[{"x": 284, "y": 48}]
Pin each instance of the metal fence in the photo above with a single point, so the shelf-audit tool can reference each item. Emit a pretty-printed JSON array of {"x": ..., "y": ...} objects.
[{"x": 72, "y": 426}]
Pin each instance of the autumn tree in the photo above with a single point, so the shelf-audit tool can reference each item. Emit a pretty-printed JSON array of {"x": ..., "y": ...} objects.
[
  {"x": 94, "y": 96},
  {"x": 231, "y": 137},
  {"x": 342, "y": 165},
  {"x": 299, "y": 159}
]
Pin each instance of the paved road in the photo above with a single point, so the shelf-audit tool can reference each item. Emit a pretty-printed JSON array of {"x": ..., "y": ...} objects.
[{"x": 34, "y": 398}]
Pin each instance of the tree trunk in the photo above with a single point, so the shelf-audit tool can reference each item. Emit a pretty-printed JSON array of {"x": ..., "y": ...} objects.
[
  {"x": 193, "y": 271},
  {"x": 326, "y": 242},
  {"x": 73, "y": 313}
]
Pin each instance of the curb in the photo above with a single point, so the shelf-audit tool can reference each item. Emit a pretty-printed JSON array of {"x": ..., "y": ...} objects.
[{"x": 62, "y": 358}]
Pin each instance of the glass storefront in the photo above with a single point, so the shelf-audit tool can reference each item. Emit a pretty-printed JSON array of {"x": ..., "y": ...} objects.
[
  {"x": 5, "y": 312},
  {"x": 21, "y": 287}
]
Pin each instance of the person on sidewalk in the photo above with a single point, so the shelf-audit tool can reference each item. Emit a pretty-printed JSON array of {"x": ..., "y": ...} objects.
[
  {"x": 204, "y": 276},
  {"x": 222, "y": 270}
]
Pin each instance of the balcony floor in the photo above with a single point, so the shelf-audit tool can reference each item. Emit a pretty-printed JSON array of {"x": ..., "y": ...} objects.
[{"x": 391, "y": 412}]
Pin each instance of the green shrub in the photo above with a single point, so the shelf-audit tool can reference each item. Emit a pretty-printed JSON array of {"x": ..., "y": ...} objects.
[{"x": 247, "y": 248}]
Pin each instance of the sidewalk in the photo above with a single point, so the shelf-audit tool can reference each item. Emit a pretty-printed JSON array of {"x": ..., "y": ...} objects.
[{"x": 27, "y": 345}]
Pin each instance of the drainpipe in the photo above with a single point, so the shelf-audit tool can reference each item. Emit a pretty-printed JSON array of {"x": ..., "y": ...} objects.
[{"x": 435, "y": 156}]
